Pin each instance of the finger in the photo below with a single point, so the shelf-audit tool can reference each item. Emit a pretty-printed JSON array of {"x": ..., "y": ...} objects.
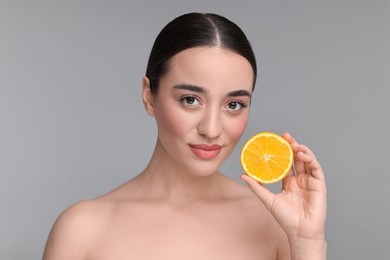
[
  {"x": 304, "y": 159},
  {"x": 265, "y": 195},
  {"x": 313, "y": 167},
  {"x": 306, "y": 150},
  {"x": 296, "y": 146},
  {"x": 287, "y": 136},
  {"x": 307, "y": 156},
  {"x": 291, "y": 171},
  {"x": 303, "y": 167},
  {"x": 309, "y": 164},
  {"x": 290, "y": 139},
  {"x": 299, "y": 165},
  {"x": 286, "y": 182},
  {"x": 306, "y": 181}
]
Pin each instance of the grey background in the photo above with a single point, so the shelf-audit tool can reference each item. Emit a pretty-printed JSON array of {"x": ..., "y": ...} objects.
[{"x": 73, "y": 125}]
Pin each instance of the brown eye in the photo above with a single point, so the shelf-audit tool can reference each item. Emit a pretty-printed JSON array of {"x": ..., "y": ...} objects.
[
  {"x": 235, "y": 105},
  {"x": 190, "y": 101}
]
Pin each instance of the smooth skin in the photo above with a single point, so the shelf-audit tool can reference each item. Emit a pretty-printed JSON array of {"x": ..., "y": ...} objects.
[{"x": 181, "y": 206}]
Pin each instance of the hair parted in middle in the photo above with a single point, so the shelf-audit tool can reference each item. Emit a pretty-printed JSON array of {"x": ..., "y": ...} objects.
[{"x": 195, "y": 30}]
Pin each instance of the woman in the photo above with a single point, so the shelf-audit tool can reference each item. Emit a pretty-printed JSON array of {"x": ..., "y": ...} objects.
[{"x": 198, "y": 86}]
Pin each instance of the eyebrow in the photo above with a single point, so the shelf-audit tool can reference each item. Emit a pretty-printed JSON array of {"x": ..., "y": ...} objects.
[
  {"x": 192, "y": 88},
  {"x": 238, "y": 93},
  {"x": 198, "y": 89}
]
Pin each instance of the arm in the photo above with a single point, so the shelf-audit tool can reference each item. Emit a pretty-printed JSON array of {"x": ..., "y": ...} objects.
[{"x": 300, "y": 208}]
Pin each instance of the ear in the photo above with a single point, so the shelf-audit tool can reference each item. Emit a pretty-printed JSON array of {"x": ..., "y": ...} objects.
[{"x": 147, "y": 96}]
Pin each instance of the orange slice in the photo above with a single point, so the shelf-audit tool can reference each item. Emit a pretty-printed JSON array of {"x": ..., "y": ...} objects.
[{"x": 267, "y": 157}]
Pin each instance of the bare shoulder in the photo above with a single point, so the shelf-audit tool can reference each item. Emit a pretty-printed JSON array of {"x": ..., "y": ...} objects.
[
  {"x": 74, "y": 231},
  {"x": 78, "y": 229}
]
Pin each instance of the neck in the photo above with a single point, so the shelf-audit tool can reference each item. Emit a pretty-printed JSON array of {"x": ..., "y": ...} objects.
[{"x": 166, "y": 180}]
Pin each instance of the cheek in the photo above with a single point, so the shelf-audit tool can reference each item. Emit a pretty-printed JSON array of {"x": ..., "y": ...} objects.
[
  {"x": 171, "y": 120},
  {"x": 236, "y": 126}
]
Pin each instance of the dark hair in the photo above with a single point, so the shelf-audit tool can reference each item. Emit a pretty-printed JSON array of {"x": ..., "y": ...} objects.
[{"x": 194, "y": 30}]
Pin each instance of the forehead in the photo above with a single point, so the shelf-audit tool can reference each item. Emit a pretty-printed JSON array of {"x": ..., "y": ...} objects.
[{"x": 210, "y": 67}]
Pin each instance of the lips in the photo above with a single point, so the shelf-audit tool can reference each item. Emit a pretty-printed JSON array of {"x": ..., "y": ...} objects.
[{"x": 205, "y": 151}]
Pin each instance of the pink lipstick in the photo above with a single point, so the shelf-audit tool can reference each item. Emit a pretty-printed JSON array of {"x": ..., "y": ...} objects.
[{"x": 205, "y": 151}]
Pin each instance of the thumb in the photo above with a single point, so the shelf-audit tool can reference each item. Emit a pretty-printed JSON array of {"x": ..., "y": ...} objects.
[{"x": 264, "y": 194}]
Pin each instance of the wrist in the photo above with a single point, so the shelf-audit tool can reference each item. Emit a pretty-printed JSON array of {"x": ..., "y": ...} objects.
[{"x": 307, "y": 248}]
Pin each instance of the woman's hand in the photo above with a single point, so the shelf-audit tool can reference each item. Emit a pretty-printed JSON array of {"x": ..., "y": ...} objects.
[{"x": 300, "y": 208}]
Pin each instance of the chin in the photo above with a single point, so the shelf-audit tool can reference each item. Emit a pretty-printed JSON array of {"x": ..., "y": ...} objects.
[{"x": 204, "y": 170}]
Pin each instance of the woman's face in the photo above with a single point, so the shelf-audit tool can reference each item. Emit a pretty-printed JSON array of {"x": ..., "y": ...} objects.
[{"x": 202, "y": 107}]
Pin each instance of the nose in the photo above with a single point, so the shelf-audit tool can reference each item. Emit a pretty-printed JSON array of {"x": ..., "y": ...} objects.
[{"x": 210, "y": 126}]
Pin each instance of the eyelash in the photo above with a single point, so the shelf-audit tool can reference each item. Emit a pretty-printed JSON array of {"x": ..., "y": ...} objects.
[
  {"x": 240, "y": 103},
  {"x": 184, "y": 100}
]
